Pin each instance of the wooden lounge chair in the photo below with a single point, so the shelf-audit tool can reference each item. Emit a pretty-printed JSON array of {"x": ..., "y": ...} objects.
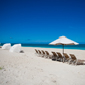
[
  {"x": 39, "y": 52},
  {"x": 43, "y": 53},
  {"x": 66, "y": 57},
  {"x": 54, "y": 57},
  {"x": 36, "y": 51},
  {"x": 76, "y": 61},
  {"x": 48, "y": 55},
  {"x": 60, "y": 57},
  {"x": 73, "y": 59}
]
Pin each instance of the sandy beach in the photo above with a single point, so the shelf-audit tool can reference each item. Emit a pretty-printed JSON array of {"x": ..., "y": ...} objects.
[{"x": 29, "y": 69}]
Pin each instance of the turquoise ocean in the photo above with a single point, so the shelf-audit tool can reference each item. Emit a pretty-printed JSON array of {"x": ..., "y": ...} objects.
[{"x": 78, "y": 47}]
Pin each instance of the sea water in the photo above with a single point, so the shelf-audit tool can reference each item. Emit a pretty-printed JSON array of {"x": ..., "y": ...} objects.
[{"x": 79, "y": 47}]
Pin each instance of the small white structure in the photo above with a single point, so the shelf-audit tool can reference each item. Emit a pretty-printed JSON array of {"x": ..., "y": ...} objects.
[
  {"x": 15, "y": 48},
  {"x": 6, "y": 46}
]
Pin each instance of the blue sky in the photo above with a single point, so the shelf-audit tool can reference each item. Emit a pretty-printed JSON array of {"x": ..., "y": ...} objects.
[{"x": 41, "y": 21}]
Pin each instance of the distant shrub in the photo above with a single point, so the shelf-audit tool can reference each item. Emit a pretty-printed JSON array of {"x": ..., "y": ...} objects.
[{"x": 1, "y": 68}]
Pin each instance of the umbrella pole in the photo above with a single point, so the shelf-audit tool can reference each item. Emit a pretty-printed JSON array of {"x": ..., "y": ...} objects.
[
  {"x": 63, "y": 53},
  {"x": 63, "y": 48}
]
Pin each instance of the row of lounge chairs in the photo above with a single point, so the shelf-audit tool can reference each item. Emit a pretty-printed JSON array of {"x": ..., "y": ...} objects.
[
  {"x": 58, "y": 56},
  {"x": 43, "y": 54}
]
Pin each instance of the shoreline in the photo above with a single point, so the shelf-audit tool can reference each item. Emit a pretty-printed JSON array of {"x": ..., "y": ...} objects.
[
  {"x": 76, "y": 47},
  {"x": 55, "y": 48}
]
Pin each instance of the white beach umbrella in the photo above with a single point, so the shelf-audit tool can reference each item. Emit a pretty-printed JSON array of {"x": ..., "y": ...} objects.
[{"x": 63, "y": 41}]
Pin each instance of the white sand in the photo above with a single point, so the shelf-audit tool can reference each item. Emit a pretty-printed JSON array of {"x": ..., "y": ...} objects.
[{"x": 29, "y": 69}]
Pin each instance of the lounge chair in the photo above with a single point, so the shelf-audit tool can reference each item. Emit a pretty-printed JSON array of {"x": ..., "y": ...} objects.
[
  {"x": 43, "y": 53},
  {"x": 60, "y": 57},
  {"x": 54, "y": 57},
  {"x": 73, "y": 59},
  {"x": 48, "y": 55},
  {"x": 39, "y": 52},
  {"x": 36, "y": 51},
  {"x": 66, "y": 57}
]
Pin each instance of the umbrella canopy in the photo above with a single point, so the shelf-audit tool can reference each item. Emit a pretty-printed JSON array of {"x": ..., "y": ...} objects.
[{"x": 63, "y": 41}]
